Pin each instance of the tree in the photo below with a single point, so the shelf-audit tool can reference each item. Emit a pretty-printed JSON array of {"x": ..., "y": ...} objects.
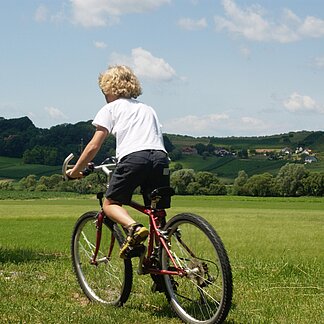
[
  {"x": 6, "y": 185},
  {"x": 314, "y": 184},
  {"x": 217, "y": 188},
  {"x": 209, "y": 184},
  {"x": 239, "y": 183},
  {"x": 180, "y": 179},
  {"x": 13, "y": 146},
  {"x": 51, "y": 183},
  {"x": 54, "y": 181},
  {"x": 243, "y": 154},
  {"x": 259, "y": 185},
  {"x": 204, "y": 178},
  {"x": 41, "y": 187},
  {"x": 289, "y": 180},
  {"x": 200, "y": 148},
  {"x": 28, "y": 182},
  {"x": 175, "y": 155},
  {"x": 89, "y": 184},
  {"x": 34, "y": 155},
  {"x": 50, "y": 156},
  {"x": 193, "y": 188},
  {"x": 168, "y": 144},
  {"x": 177, "y": 166},
  {"x": 210, "y": 148},
  {"x": 200, "y": 183}
]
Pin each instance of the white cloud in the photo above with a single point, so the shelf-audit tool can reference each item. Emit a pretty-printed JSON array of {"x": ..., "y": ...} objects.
[
  {"x": 252, "y": 121},
  {"x": 248, "y": 125},
  {"x": 253, "y": 24},
  {"x": 190, "y": 24},
  {"x": 98, "y": 13},
  {"x": 145, "y": 65},
  {"x": 300, "y": 103},
  {"x": 312, "y": 27},
  {"x": 55, "y": 113},
  {"x": 216, "y": 125},
  {"x": 41, "y": 14},
  {"x": 195, "y": 125},
  {"x": 100, "y": 44},
  {"x": 150, "y": 67}
]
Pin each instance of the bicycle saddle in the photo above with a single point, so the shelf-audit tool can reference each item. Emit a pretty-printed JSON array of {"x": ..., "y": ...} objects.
[{"x": 162, "y": 192}]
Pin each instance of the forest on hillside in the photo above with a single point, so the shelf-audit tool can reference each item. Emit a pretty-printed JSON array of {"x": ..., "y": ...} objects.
[
  {"x": 20, "y": 138},
  {"x": 251, "y": 166}
]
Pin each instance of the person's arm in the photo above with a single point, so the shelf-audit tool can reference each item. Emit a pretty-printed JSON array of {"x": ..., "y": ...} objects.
[{"x": 89, "y": 152}]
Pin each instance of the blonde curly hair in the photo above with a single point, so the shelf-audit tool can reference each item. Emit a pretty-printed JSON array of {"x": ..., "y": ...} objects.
[{"x": 120, "y": 81}]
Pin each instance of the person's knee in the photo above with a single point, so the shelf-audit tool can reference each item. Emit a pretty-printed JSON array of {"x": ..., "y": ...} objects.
[
  {"x": 108, "y": 205},
  {"x": 109, "y": 202}
]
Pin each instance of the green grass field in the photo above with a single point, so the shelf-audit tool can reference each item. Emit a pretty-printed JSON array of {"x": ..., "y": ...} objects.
[{"x": 275, "y": 246}]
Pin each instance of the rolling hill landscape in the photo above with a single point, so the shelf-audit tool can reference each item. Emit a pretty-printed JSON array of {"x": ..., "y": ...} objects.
[{"x": 26, "y": 149}]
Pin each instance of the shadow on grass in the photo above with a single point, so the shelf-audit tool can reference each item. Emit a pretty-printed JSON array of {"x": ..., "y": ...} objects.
[
  {"x": 162, "y": 312},
  {"x": 165, "y": 312},
  {"x": 18, "y": 255}
]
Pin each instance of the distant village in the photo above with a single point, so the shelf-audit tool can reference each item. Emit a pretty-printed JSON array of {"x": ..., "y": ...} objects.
[{"x": 301, "y": 154}]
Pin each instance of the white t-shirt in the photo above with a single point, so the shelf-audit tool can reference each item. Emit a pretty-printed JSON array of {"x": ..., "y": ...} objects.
[{"x": 134, "y": 124}]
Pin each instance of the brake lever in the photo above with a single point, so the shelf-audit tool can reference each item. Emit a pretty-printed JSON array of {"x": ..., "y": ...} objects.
[{"x": 89, "y": 169}]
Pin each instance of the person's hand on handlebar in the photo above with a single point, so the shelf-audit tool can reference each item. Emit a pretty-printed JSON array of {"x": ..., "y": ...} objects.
[{"x": 72, "y": 174}]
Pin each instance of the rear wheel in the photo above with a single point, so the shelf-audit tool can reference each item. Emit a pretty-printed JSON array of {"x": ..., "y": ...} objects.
[
  {"x": 110, "y": 280},
  {"x": 204, "y": 293}
]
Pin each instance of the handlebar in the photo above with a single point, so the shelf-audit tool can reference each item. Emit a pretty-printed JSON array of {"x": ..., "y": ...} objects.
[
  {"x": 106, "y": 166},
  {"x": 66, "y": 165}
]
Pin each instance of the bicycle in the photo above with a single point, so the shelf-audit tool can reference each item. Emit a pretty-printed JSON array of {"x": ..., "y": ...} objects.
[{"x": 184, "y": 256}]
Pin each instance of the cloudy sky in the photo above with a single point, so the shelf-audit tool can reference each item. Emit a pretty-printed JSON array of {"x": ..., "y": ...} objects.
[{"x": 208, "y": 67}]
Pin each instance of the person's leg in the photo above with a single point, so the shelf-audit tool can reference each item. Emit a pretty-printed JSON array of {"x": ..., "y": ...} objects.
[
  {"x": 117, "y": 213},
  {"x": 128, "y": 174},
  {"x": 137, "y": 233}
]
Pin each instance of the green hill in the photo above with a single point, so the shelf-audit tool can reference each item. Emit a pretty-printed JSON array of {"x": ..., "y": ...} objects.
[
  {"x": 25, "y": 149},
  {"x": 14, "y": 168},
  {"x": 313, "y": 139}
]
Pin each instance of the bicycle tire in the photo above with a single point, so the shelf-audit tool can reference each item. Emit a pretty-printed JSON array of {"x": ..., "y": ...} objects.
[
  {"x": 110, "y": 281},
  {"x": 204, "y": 293}
]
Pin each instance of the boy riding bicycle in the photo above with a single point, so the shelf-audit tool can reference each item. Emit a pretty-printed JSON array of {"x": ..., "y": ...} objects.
[{"x": 140, "y": 152}]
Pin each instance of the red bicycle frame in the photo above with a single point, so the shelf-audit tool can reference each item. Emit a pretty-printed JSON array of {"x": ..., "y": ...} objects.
[{"x": 155, "y": 236}]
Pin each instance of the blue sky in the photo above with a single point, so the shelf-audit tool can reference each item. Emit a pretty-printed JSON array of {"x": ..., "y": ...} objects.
[{"x": 209, "y": 68}]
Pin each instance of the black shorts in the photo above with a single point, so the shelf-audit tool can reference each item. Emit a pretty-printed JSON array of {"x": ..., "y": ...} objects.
[{"x": 148, "y": 169}]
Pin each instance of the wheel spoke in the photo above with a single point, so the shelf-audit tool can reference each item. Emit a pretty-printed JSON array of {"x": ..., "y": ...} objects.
[
  {"x": 109, "y": 279},
  {"x": 200, "y": 295}
]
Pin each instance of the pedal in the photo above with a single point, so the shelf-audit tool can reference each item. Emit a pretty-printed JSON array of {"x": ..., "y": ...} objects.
[{"x": 135, "y": 251}]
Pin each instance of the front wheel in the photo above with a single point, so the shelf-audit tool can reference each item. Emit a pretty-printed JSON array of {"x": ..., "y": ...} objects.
[
  {"x": 109, "y": 281},
  {"x": 204, "y": 293}
]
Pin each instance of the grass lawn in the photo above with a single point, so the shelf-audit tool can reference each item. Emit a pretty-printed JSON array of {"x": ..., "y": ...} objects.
[{"x": 275, "y": 246}]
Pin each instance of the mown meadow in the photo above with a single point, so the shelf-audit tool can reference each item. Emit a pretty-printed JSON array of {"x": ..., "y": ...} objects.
[{"x": 275, "y": 246}]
